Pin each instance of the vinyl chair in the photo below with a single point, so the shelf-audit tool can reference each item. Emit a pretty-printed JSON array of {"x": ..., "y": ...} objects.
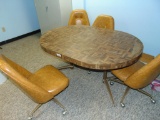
[
  {"x": 79, "y": 17},
  {"x": 146, "y": 58},
  {"x": 41, "y": 86},
  {"x": 137, "y": 76},
  {"x": 104, "y": 21}
]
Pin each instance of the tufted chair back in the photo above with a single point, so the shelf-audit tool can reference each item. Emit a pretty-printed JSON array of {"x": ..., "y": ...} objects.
[
  {"x": 78, "y": 17},
  {"x": 104, "y": 21}
]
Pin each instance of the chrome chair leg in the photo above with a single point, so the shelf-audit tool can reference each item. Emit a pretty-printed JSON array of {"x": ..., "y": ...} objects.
[
  {"x": 34, "y": 110},
  {"x": 145, "y": 93},
  {"x": 58, "y": 103},
  {"x": 89, "y": 72},
  {"x": 125, "y": 93},
  {"x": 65, "y": 67},
  {"x": 114, "y": 79},
  {"x": 107, "y": 85}
]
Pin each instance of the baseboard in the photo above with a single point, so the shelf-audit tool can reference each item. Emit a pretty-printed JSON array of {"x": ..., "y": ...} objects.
[{"x": 19, "y": 37}]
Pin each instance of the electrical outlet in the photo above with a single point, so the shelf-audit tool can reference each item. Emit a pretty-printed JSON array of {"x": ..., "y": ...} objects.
[{"x": 3, "y": 29}]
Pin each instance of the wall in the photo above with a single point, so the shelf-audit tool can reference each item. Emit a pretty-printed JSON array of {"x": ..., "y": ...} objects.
[
  {"x": 137, "y": 17},
  {"x": 17, "y": 17},
  {"x": 78, "y": 4},
  {"x": 53, "y": 13}
]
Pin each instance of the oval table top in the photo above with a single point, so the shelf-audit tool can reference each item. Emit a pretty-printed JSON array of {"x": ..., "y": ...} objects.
[{"x": 93, "y": 48}]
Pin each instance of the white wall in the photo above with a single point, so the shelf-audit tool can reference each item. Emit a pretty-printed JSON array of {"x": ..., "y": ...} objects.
[
  {"x": 78, "y": 4},
  {"x": 138, "y": 17},
  {"x": 18, "y": 17}
]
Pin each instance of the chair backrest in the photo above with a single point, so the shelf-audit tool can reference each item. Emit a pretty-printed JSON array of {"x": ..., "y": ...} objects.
[
  {"x": 78, "y": 17},
  {"x": 145, "y": 75},
  {"x": 19, "y": 76},
  {"x": 104, "y": 21}
]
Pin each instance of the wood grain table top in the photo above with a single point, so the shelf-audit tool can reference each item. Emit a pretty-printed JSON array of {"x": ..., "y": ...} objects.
[{"x": 93, "y": 48}]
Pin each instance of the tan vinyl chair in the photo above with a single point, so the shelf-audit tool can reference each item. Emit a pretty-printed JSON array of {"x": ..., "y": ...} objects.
[
  {"x": 146, "y": 58},
  {"x": 41, "y": 86},
  {"x": 104, "y": 21},
  {"x": 79, "y": 17},
  {"x": 137, "y": 76}
]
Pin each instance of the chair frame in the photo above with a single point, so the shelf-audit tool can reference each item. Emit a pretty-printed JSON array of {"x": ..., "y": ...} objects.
[
  {"x": 79, "y": 11},
  {"x": 12, "y": 69},
  {"x": 39, "y": 105},
  {"x": 115, "y": 79}
]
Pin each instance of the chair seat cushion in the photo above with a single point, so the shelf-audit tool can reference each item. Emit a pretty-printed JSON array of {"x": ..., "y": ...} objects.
[
  {"x": 50, "y": 79},
  {"x": 124, "y": 73}
]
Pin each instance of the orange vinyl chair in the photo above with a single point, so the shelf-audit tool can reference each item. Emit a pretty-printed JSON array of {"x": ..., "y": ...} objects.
[
  {"x": 41, "y": 86},
  {"x": 137, "y": 76},
  {"x": 146, "y": 58},
  {"x": 104, "y": 21},
  {"x": 79, "y": 17}
]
